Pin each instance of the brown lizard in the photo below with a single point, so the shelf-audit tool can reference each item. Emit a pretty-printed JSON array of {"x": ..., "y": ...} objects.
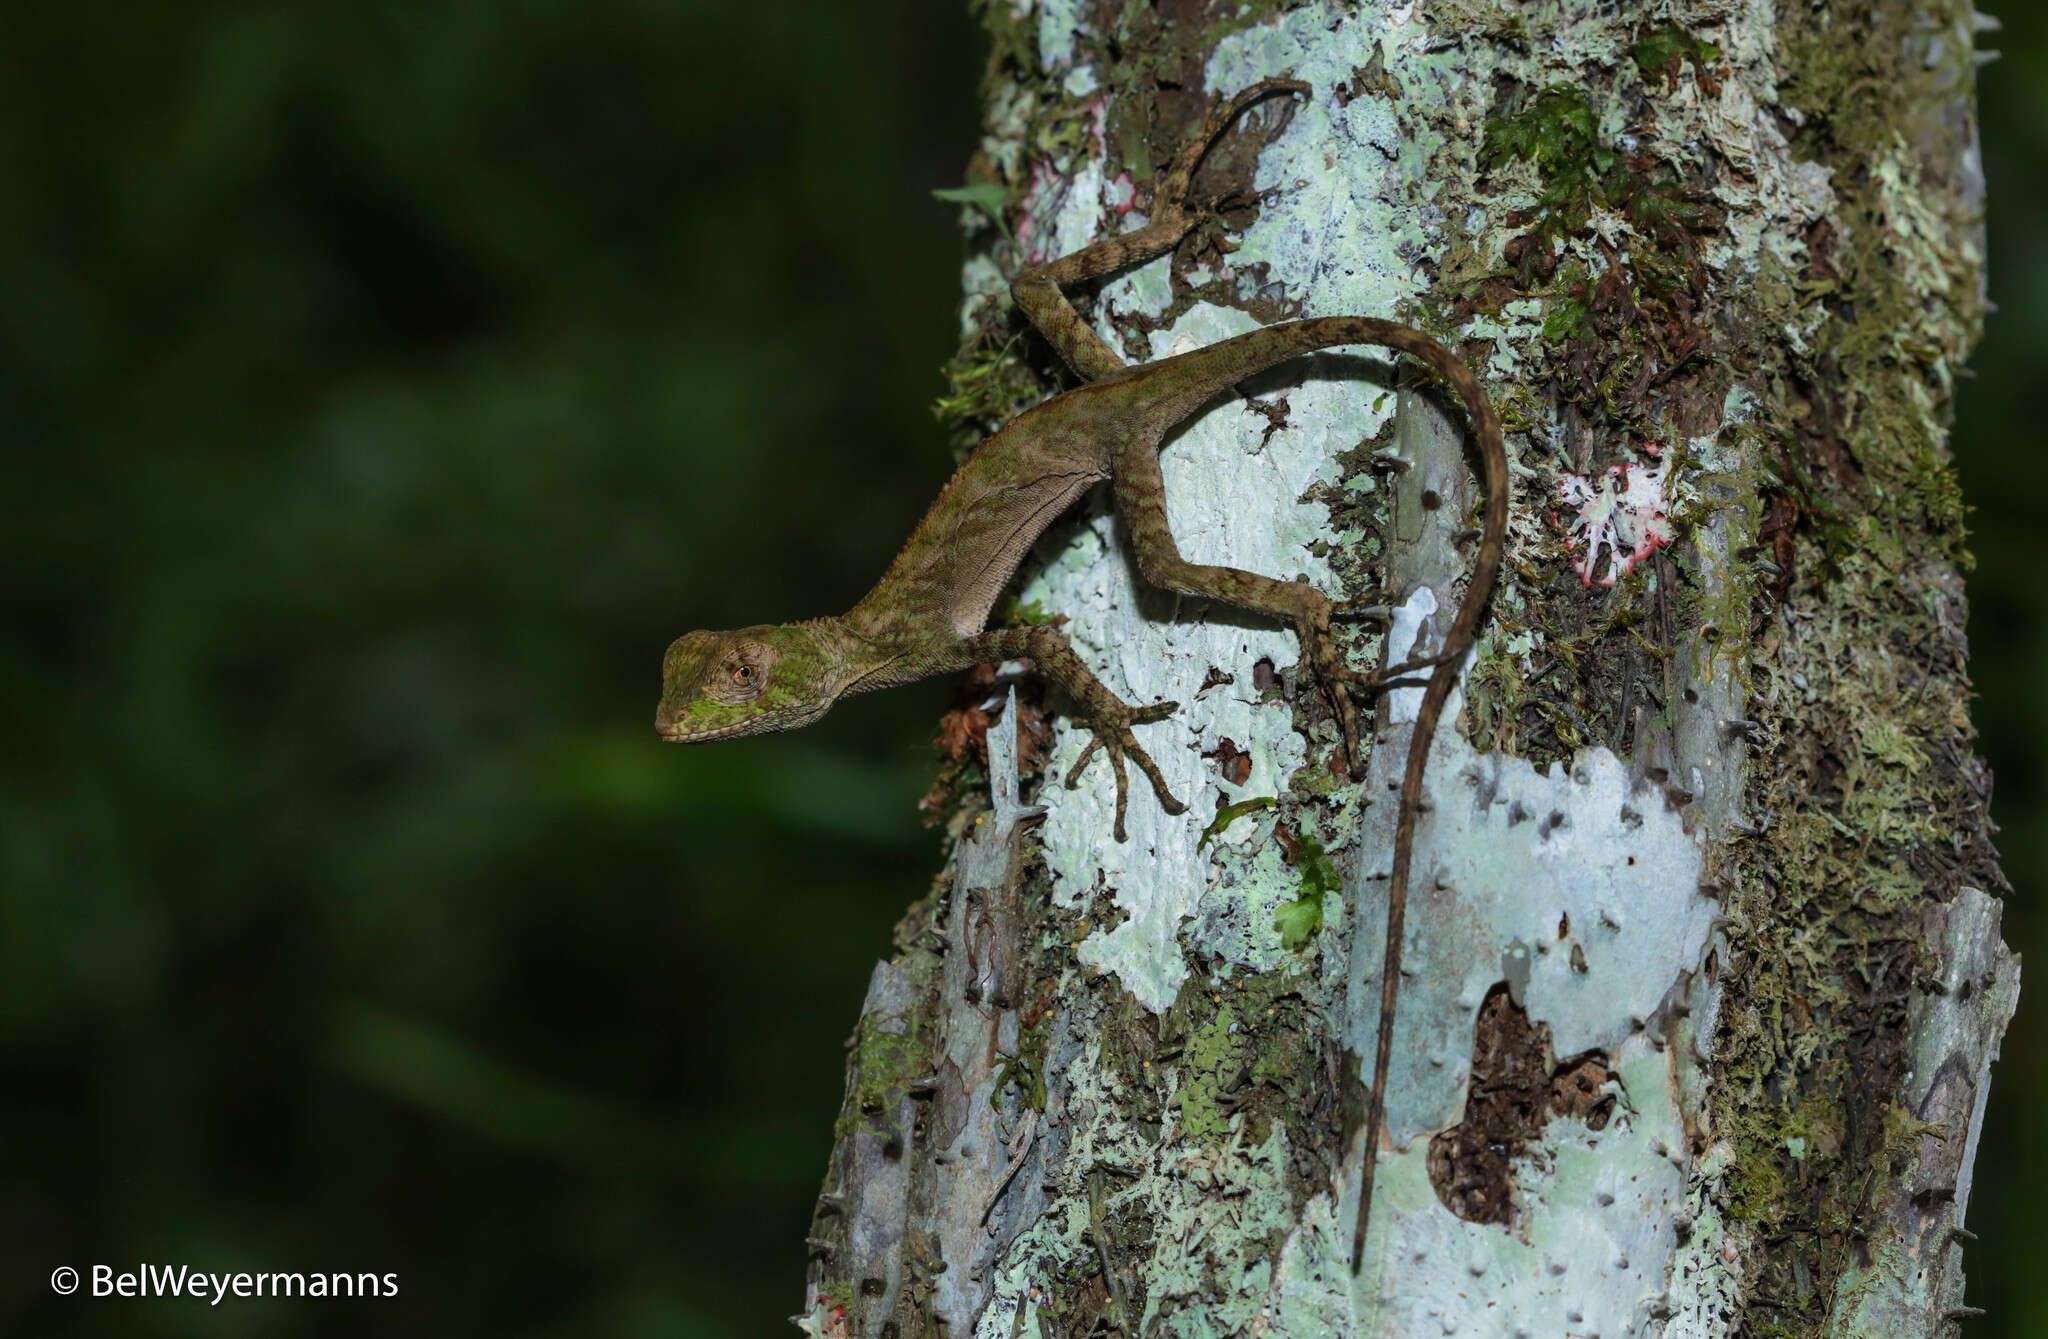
[{"x": 928, "y": 614}]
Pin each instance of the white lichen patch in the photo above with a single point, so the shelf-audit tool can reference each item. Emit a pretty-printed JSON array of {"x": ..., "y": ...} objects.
[
  {"x": 1059, "y": 23},
  {"x": 1211, "y": 1208},
  {"x": 1599, "y": 1218},
  {"x": 1060, "y": 211},
  {"x": 1324, "y": 229},
  {"x": 1309, "y": 1292},
  {"x": 1578, "y": 890},
  {"x": 1218, "y": 1205},
  {"x": 1517, "y": 323},
  {"x": 1168, "y": 651},
  {"x": 1706, "y": 1269}
]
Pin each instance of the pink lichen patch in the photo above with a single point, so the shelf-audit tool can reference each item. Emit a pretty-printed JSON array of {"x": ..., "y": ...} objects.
[
  {"x": 1041, "y": 202},
  {"x": 1120, "y": 194},
  {"x": 1623, "y": 515},
  {"x": 1050, "y": 186}
]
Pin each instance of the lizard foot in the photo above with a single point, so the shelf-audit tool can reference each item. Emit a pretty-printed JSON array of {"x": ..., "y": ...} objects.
[
  {"x": 1170, "y": 196},
  {"x": 1344, "y": 681},
  {"x": 1339, "y": 680},
  {"x": 1111, "y": 730}
]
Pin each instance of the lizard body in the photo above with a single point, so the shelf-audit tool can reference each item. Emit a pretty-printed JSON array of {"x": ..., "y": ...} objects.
[{"x": 928, "y": 613}]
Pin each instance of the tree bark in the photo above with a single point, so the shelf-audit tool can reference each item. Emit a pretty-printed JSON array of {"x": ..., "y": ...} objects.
[{"x": 1702, "y": 981}]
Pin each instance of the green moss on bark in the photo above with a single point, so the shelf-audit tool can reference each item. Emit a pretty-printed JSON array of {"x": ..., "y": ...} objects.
[{"x": 1876, "y": 799}]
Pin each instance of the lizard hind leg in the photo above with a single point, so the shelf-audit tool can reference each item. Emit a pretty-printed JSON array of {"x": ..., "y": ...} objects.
[
  {"x": 1141, "y": 497},
  {"x": 1171, "y": 194},
  {"x": 1039, "y": 290}
]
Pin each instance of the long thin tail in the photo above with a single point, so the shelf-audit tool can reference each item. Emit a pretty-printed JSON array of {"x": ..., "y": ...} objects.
[
  {"x": 1232, "y": 364},
  {"x": 1485, "y": 427}
]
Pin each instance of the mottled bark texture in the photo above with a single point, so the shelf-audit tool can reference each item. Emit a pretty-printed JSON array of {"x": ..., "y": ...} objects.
[{"x": 1703, "y": 978}]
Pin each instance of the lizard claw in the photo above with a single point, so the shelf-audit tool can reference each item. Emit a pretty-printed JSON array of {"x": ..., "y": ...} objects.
[
  {"x": 1343, "y": 681},
  {"x": 1111, "y": 732},
  {"x": 1339, "y": 680}
]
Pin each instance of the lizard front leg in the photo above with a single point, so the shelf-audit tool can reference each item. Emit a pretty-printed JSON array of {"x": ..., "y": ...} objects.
[
  {"x": 1038, "y": 291},
  {"x": 1108, "y": 716}
]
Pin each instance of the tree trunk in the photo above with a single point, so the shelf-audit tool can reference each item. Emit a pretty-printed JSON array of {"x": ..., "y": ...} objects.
[{"x": 1701, "y": 988}]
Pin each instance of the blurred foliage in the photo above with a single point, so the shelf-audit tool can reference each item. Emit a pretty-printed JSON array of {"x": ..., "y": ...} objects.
[
  {"x": 2005, "y": 480},
  {"x": 384, "y": 385}
]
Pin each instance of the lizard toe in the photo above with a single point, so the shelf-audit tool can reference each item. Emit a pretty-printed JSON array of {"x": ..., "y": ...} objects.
[
  {"x": 1362, "y": 610},
  {"x": 1111, "y": 734},
  {"x": 1081, "y": 763}
]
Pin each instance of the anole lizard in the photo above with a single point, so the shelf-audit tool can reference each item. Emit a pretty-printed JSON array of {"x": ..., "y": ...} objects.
[{"x": 928, "y": 614}]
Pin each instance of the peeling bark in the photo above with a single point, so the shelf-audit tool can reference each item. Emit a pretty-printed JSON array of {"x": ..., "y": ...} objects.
[{"x": 1701, "y": 989}]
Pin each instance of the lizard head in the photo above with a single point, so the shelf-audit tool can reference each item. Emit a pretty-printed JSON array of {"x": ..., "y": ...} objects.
[{"x": 721, "y": 685}]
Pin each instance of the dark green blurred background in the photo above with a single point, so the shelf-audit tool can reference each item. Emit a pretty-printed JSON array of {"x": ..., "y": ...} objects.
[
  {"x": 1999, "y": 440},
  {"x": 384, "y": 386}
]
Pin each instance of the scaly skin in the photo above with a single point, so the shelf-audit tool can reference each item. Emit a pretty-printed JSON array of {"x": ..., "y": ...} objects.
[{"x": 928, "y": 614}]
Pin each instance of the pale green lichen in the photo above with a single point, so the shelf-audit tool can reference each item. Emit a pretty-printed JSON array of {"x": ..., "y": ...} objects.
[
  {"x": 1211, "y": 1061},
  {"x": 885, "y": 1062},
  {"x": 1214, "y": 1203},
  {"x": 1424, "y": 240},
  {"x": 1158, "y": 879},
  {"x": 1059, "y": 22}
]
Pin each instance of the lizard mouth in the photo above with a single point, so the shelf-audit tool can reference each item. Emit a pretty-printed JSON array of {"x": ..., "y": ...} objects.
[{"x": 676, "y": 734}]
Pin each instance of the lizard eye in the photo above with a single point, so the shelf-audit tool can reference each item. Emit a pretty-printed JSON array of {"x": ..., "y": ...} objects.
[{"x": 744, "y": 674}]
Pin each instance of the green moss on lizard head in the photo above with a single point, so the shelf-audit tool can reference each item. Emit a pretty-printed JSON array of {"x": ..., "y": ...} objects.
[{"x": 721, "y": 685}]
